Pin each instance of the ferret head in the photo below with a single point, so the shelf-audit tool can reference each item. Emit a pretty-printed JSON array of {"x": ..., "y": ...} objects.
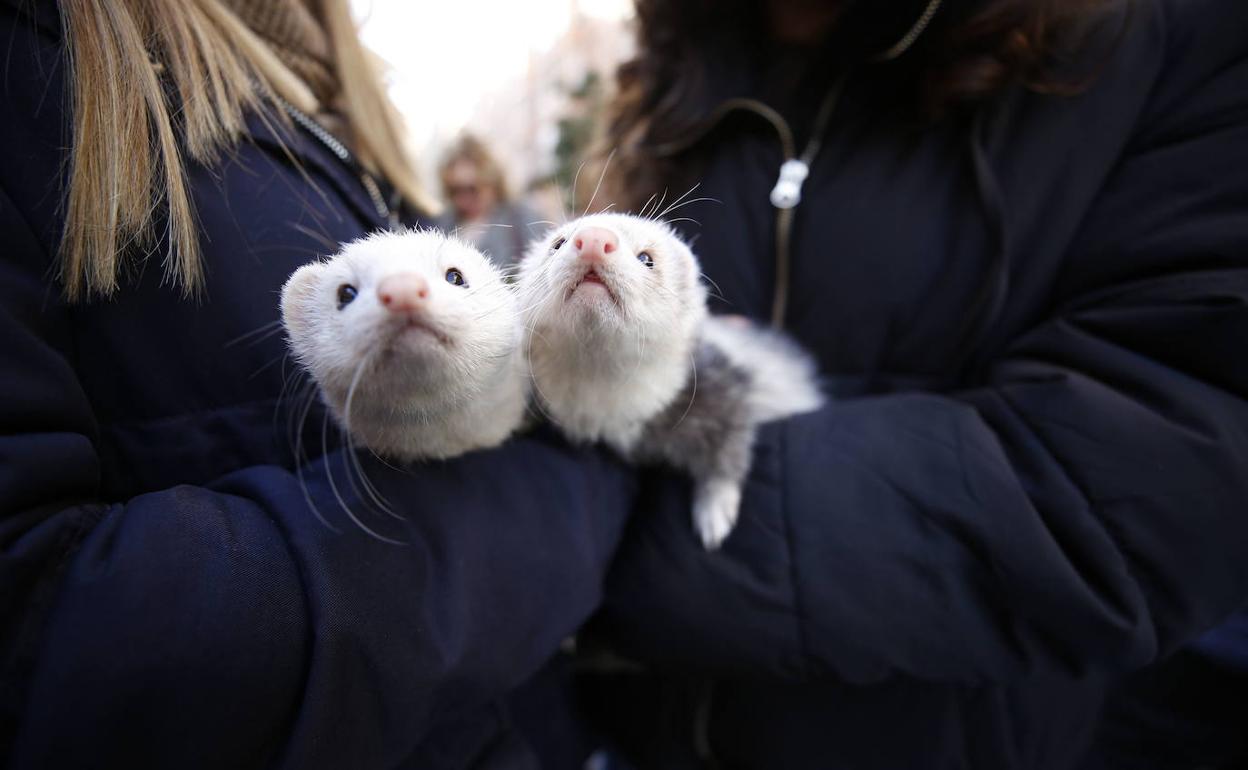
[
  {"x": 611, "y": 277},
  {"x": 613, "y": 305},
  {"x": 401, "y": 321}
]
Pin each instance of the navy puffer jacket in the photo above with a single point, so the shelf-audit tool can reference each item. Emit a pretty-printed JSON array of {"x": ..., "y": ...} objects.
[
  {"x": 168, "y": 596},
  {"x": 1035, "y": 476}
]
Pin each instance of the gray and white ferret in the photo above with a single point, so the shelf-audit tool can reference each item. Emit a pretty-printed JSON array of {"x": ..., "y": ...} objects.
[
  {"x": 622, "y": 350},
  {"x": 413, "y": 339}
]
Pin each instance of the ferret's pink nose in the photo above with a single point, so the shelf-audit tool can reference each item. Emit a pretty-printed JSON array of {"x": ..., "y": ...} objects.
[
  {"x": 402, "y": 293},
  {"x": 595, "y": 243}
]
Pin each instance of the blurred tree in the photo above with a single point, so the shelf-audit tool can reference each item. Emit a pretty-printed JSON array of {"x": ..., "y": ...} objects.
[{"x": 586, "y": 101}]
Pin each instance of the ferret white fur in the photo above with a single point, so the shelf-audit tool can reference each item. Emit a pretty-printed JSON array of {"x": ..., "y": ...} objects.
[
  {"x": 631, "y": 357},
  {"x": 441, "y": 376}
]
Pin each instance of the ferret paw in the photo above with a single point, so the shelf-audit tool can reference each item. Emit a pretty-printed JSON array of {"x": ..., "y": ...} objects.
[{"x": 715, "y": 510}]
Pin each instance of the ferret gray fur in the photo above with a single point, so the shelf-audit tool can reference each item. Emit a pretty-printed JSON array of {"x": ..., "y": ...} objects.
[{"x": 638, "y": 363}]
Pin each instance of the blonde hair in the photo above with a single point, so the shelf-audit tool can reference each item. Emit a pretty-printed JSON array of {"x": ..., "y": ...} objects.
[
  {"x": 468, "y": 148},
  {"x": 126, "y": 159}
]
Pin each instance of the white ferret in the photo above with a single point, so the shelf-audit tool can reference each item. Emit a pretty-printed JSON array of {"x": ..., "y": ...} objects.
[
  {"x": 622, "y": 350},
  {"x": 414, "y": 341}
]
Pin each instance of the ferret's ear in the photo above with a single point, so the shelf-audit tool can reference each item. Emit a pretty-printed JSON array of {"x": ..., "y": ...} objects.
[{"x": 299, "y": 293}]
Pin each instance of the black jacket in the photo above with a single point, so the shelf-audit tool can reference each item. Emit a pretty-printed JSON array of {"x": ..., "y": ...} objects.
[
  {"x": 168, "y": 596},
  {"x": 1035, "y": 475}
]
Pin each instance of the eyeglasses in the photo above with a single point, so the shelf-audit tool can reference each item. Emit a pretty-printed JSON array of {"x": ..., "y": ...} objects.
[{"x": 457, "y": 190}]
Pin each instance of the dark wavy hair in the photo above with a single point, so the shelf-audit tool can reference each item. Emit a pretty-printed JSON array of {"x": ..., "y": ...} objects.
[{"x": 688, "y": 49}]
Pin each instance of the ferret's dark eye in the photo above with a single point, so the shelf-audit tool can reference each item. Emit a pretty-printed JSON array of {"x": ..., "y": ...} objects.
[
  {"x": 644, "y": 258},
  {"x": 455, "y": 278},
  {"x": 558, "y": 244},
  {"x": 346, "y": 293}
]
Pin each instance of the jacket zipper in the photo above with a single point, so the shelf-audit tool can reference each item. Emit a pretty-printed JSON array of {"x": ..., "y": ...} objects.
[
  {"x": 387, "y": 211},
  {"x": 786, "y": 194}
]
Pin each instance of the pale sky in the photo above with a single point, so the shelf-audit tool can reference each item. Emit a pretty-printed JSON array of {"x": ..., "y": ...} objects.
[{"x": 447, "y": 55}]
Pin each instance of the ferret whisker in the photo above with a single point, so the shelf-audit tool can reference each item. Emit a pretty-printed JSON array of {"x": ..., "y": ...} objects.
[
  {"x": 693, "y": 366},
  {"x": 260, "y": 334},
  {"x": 292, "y": 424},
  {"x": 563, "y": 208},
  {"x": 718, "y": 291},
  {"x": 676, "y": 206},
  {"x": 536, "y": 404},
  {"x": 538, "y": 399},
  {"x": 536, "y": 304},
  {"x": 640, "y": 352},
  {"x": 384, "y": 461},
  {"x": 295, "y": 424},
  {"x": 575, "y": 181},
  {"x": 703, "y": 199},
  {"x": 266, "y": 366},
  {"x": 598, "y": 186},
  {"x": 333, "y": 485},
  {"x": 665, "y": 291},
  {"x": 288, "y": 379},
  {"x": 322, "y": 238},
  {"x": 300, "y": 463},
  {"x": 646, "y": 205},
  {"x": 676, "y": 203},
  {"x": 298, "y": 421},
  {"x": 662, "y": 199},
  {"x": 497, "y": 357},
  {"x": 532, "y": 330},
  {"x": 370, "y": 490}
]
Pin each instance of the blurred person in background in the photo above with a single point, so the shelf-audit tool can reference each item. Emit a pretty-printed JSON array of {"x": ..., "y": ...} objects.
[
  {"x": 169, "y": 597},
  {"x": 1015, "y": 235},
  {"x": 481, "y": 209}
]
